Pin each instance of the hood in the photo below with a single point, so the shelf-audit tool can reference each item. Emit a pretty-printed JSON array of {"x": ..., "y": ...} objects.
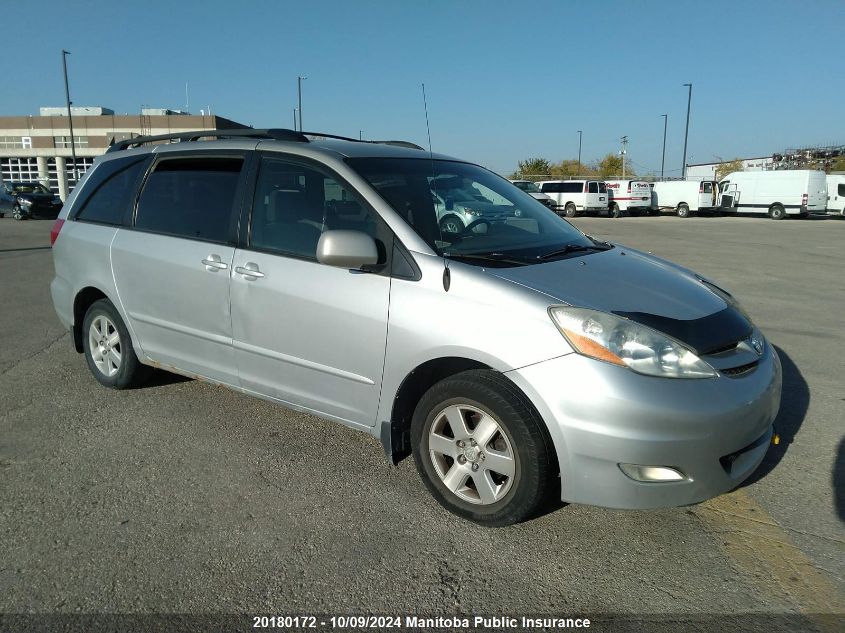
[
  {"x": 539, "y": 195},
  {"x": 41, "y": 197},
  {"x": 639, "y": 287}
]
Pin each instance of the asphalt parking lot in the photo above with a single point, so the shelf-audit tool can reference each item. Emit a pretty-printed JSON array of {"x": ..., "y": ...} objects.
[{"x": 184, "y": 497}]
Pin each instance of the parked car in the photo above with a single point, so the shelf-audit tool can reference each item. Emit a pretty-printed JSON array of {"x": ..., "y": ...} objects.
[
  {"x": 464, "y": 206},
  {"x": 533, "y": 190},
  {"x": 517, "y": 363},
  {"x": 574, "y": 196},
  {"x": 779, "y": 193},
  {"x": 632, "y": 197},
  {"x": 685, "y": 197},
  {"x": 836, "y": 194},
  {"x": 24, "y": 200}
]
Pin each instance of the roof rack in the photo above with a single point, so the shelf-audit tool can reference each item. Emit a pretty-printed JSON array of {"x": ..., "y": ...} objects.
[{"x": 275, "y": 134}]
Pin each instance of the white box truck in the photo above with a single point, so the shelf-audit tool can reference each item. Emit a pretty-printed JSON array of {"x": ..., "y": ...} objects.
[
  {"x": 836, "y": 194},
  {"x": 628, "y": 196},
  {"x": 685, "y": 197},
  {"x": 778, "y": 193}
]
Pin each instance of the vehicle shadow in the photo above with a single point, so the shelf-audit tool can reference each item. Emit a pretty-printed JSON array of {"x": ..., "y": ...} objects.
[
  {"x": 838, "y": 481},
  {"x": 162, "y": 378},
  {"x": 793, "y": 409}
]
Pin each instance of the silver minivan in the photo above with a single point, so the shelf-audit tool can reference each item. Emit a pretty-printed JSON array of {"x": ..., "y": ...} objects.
[{"x": 518, "y": 359}]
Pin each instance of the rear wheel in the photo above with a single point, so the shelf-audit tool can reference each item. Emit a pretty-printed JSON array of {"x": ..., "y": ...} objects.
[
  {"x": 614, "y": 210},
  {"x": 777, "y": 212},
  {"x": 108, "y": 348},
  {"x": 569, "y": 210},
  {"x": 683, "y": 210},
  {"x": 482, "y": 450}
]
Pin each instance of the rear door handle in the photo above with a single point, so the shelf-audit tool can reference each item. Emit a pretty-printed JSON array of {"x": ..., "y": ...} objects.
[
  {"x": 249, "y": 271},
  {"x": 213, "y": 263}
]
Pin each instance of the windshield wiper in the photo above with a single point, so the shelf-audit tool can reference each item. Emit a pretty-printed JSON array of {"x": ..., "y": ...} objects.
[
  {"x": 573, "y": 248},
  {"x": 487, "y": 257}
]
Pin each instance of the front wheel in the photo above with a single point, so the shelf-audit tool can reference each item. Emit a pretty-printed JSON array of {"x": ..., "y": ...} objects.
[
  {"x": 17, "y": 213},
  {"x": 482, "y": 450},
  {"x": 683, "y": 211},
  {"x": 108, "y": 348},
  {"x": 569, "y": 210}
]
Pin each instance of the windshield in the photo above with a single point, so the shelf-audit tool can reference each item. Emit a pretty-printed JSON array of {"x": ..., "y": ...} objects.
[
  {"x": 463, "y": 210},
  {"x": 29, "y": 187},
  {"x": 527, "y": 186}
]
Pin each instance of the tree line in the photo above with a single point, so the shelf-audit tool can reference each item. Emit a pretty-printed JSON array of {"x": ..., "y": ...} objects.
[{"x": 608, "y": 167}]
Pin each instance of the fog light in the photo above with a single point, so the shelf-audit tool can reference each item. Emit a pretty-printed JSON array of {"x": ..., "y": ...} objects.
[{"x": 651, "y": 473}]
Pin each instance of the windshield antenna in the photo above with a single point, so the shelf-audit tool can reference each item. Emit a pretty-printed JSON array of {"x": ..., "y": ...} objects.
[{"x": 447, "y": 276}]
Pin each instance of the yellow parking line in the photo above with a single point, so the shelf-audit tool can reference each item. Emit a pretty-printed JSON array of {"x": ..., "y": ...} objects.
[{"x": 763, "y": 551}]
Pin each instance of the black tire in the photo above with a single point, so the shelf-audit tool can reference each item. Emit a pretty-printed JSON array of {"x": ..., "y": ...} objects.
[
  {"x": 683, "y": 210},
  {"x": 569, "y": 210},
  {"x": 17, "y": 213},
  {"x": 130, "y": 372},
  {"x": 451, "y": 221},
  {"x": 534, "y": 463},
  {"x": 613, "y": 210},
  {"x": 777, "y": 212}
]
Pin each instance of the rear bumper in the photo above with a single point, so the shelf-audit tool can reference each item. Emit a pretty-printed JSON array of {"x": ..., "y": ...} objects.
[{"x": 714, "y": 431}]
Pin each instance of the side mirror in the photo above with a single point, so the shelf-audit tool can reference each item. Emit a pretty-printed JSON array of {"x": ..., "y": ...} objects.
[
  {"x": 450, "y": 204},
  {"x": 347, "y": 249}
]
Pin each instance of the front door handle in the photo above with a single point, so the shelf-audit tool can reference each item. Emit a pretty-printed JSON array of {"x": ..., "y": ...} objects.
[
  {"x": 249, "y": 271},
  {"x": 213, "y": 263}
]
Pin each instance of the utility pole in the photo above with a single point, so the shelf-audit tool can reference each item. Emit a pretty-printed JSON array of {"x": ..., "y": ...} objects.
[
  {"x": 294, "y": 120},
  {"x": 623, "y": 152},
  {"x": 663, "y": 160},
  {"x": 70, "y": 120},
  {"x": 686, "y": 133},
  {"x": 299, "y": 91},
  {"x": 579, "y": 153}
]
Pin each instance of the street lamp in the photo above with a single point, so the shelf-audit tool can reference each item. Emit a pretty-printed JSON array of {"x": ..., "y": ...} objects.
[
  {"x": 294, "y": 119},
  {"x": 299, "y": 90},
  {"x": 686, "y": 133},
  {"x": 663, "y": 160},
  {"x": 70, "y": 119},
  {"x": 579, "y": 153}
]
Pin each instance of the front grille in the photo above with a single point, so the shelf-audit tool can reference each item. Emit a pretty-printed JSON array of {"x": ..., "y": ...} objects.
[{"x": 742, "y": 369}]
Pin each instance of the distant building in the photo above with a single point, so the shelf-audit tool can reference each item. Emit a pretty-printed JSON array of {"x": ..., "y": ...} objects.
[
  {"x": 707, "y": 171},
  {"x": 39, "y": 147}
]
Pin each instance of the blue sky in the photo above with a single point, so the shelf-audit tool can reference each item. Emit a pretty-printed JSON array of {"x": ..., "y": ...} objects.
[{"x": 505, "y": 80}]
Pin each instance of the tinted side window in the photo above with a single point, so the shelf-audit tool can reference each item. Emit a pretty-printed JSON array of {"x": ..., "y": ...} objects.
[
  {"x": 191, "y": 197},
  {"x": 602, "y": 187},
  {"x": 550, "y": 187},
  {"x": 593, "y": 187},
  {"x": 841, "y": 190},
  {"x": 295, "y": 203},
  {"x": 111, "y": 191},
  {"x": 573, "y": 187}
]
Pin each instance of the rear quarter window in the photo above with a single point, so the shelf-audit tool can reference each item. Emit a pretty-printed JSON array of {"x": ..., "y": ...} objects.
[{"x": 110, "y": 193}]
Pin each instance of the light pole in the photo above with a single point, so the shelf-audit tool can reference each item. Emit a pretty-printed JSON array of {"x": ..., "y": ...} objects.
[
  {"x": 663, "y": 160},
  {"x": 579, "y": 153},
  {"x": 299, "y": 90},
  {"x": 623, "y": 152},
  {"x": 70, "y": 120},
  {"x": 686, "y": 133},
  {"x": 294, "y": 119}
]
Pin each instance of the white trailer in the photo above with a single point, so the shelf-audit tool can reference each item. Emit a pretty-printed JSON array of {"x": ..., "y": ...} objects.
[
  {"x": 778, "y": 193},
  {"x": 836, "y": 194},
  {"x": 628, "y": 196},
  {"x": 685, "y": 197}
]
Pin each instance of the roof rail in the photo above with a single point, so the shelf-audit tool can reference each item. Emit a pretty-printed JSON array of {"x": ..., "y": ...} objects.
[
  {"x": 275, "y": 134},
  {"x": 358, "y": 140}
]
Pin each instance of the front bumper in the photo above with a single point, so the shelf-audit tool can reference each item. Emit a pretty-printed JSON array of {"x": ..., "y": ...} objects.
[{"x": 715, "y": 431}]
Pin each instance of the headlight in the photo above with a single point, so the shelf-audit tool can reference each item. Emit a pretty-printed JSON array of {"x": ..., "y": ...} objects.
[
  {"x": 622, "y": 342},
  {"x": 472, "y": 211},
  {"x": 24, "y": 202}
]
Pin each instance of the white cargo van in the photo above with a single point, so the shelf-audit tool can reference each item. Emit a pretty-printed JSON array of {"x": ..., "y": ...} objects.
[
  {"x": 685, "y": 197},
  {"x": 628, "y": 196},
  {"x": 778, "y": 193},
  {"x": 836, "y": 194},
  {"x": 574, "y": 196}
]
